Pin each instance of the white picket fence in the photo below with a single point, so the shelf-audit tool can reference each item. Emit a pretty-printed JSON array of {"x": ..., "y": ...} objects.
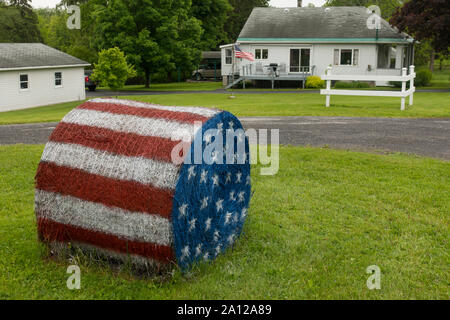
[{"x": 400, "y": 94}]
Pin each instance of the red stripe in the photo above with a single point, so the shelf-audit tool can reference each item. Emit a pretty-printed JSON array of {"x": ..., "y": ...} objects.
[
  {"x": 128, "y": 195},
  {"x": 127, "y": 144},
  {"x": 143, "y": 112},
  {"x": 53, "y": 231}
]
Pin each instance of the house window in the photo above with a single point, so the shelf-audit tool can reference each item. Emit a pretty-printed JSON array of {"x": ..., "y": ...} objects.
[
  {"x": 23, "y": 82},
  {"x": 346, "y": 57},
  {"x": 228, "y": 56},
  {"x": 261, "y": 54},
  {"x": 58, "y": 79}
]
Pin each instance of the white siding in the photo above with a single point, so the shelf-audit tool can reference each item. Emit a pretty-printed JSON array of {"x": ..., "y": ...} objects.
[
  {"x": 42, "y": 90},
  {"x": 322, "y": 56}
]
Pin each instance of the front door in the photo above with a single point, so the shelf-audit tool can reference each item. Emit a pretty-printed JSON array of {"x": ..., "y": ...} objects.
[{"x": 300, "y": 60}]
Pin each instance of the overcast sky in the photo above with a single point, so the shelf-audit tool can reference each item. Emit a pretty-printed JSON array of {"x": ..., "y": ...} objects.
[{"x": 275, "y": 3}]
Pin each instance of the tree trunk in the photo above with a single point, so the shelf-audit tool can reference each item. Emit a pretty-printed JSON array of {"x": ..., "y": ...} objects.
[
  {"x": 147, "y": 78},
  {"x": 432, "y": 61}
]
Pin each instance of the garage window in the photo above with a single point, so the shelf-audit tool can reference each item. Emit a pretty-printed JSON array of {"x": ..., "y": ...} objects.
[
  {"x": 23, "y": 79},
  {"x": 58, "y": 79}
]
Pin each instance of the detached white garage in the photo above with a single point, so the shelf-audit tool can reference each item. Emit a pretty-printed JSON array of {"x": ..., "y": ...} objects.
[{"x": 33, "y": 74}]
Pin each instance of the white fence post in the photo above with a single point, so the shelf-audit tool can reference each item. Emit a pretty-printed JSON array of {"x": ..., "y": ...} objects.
[
  {"x": 411, "y": 85},
  {"x": 328, "y": 73},
  {"x": 404, "y": 74}
]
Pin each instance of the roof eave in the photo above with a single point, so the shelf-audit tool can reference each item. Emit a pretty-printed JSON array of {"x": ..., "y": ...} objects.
[
  {"x": 46, "y": 67},
  {"x": 324, "y": 40}
]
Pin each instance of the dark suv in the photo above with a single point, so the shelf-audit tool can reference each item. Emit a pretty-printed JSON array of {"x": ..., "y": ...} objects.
[{"x": 88, "y": 82}]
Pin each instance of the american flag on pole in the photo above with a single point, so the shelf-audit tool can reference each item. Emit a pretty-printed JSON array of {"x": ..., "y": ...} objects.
[{"x": 244, "y": 55}]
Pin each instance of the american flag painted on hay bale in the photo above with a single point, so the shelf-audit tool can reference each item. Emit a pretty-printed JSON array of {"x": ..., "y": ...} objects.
[{"x": 106, "y": 181}]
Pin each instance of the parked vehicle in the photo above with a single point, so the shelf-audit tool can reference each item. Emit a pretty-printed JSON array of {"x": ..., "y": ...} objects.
[
  {"x": 210, "y": 67},
  {"x": 88, "y": 82}
]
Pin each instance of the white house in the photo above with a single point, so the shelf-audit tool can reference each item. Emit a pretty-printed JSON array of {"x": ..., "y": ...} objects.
[
  {"x": 305, "y": 41},
  {"x": 33, "y": 74}
]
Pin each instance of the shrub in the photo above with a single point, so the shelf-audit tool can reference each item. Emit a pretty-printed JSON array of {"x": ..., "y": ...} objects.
[
  {"x": 314, "y": 82},
  {"x": 423, "y": 78},
  {"x": 351, "y": 85}
]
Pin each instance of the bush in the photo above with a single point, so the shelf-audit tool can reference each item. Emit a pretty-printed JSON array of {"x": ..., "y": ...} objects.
[
  {"x": 351, "y": 85},
  {"x": 314, "y": 82},
  {"x": 423, "y": 79}
]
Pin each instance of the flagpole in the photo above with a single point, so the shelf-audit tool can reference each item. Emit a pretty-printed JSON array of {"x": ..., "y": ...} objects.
[{"x": 232, "y": 69}]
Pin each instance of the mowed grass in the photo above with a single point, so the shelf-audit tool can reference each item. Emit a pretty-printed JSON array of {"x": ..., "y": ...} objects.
[
  {"x": 312, "y": 231},
  {"x": 426, "y": 105},
  {"x": 176, "y": 86}
]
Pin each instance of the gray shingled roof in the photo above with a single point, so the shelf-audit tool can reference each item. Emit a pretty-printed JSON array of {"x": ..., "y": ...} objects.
[
  {"x": 31, "y": 55},
  {"x": 313, "y": 23}
]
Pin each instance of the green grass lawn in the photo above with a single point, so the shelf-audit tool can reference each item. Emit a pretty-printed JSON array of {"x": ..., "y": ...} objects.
[
  {"x": 426, "y": 105},
  {"x": 176, "y": 86},
  {"x": 313, "y": 229}
]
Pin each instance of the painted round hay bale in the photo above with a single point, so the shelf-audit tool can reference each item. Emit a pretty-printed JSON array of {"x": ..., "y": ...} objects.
[{"x": 109, "y": 180}]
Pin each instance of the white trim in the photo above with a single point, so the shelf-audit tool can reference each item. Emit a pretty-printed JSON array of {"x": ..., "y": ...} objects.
[
  {"x": 54, "y": 80},
  {"x": 28, "y": 82},
  {"x": 45, "y": 67}
]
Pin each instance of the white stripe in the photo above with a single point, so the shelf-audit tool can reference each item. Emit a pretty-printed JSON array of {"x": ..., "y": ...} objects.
[
  {"x": 196, "y": 110},
  {"x": 133, "y": 124},
  {"x": 163, "y": 175},
  {"x": 98, "y": 217}
]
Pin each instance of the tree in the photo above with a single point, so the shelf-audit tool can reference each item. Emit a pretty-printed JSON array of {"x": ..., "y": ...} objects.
[
  {"x": 112, "y": 69},
  {"x": 426, "y": 20},
  {"x": 18, "y": 22},
  {"x": 156, "y": 35},
  {"x": 213, "y": 15},
  {"x": 387, "y": 7},
  {"x": 239, "y": 15}
]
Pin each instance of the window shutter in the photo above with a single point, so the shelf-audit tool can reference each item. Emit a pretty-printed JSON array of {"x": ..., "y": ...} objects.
[
  {"x": 356, "y": 57},
  {"x": 336, "y": 57}
]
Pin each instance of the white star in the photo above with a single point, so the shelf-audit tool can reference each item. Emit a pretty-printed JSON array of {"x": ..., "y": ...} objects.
[
  {"x": 231, "y": 125},
  {"x": 182, "y": 210},
  {"x": 207, "y": 224},
  {"x": 204, "y": 203},
  {"x": 228, "y": 178},
  {"x": 215, "y": 179},
  {"x": 198, "y": 250},
  {"x": 240, "y": 137},
  {"x": 244, "y": 213},
  {"x": 192, "y": 224},
  {"x": 215, "y": 156},
  {"x": 206, "y": 256},
  {"x": 248, "y": 180},
  {"x": 241, "y": 196},
  {"x": 232, "y": 196},
  {"x": 203, "y": 176},
  {"x": 216, "y": 235},
  {"x": 185, "y": 253},
  {"x": 220, "y": 127},
  {"x": 219, "y": 205},
  {"x": 191, "y": 172},
  {"x": 227, "y": 217},
  {"x": 238, "y": 177},
  {"x": 218, "y": 249},
  {"x": 231, "y": 239},
  {"x": 235, "y": 218},
  {"x": 207, "y": 138}
]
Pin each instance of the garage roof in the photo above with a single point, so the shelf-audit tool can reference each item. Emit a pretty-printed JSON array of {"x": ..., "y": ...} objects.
[{"x": 16, "y": 56}]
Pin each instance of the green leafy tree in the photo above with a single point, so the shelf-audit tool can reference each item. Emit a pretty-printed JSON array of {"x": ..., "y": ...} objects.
[
  {"x": 387, "y": 7},
  {"x": 112, "y": 69},
  {"x": 18, "y": 22},
  {"x": 156, "y": 35},
  {"x": 213, "y": 15},
  {"x": 239, "y": 15}
]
